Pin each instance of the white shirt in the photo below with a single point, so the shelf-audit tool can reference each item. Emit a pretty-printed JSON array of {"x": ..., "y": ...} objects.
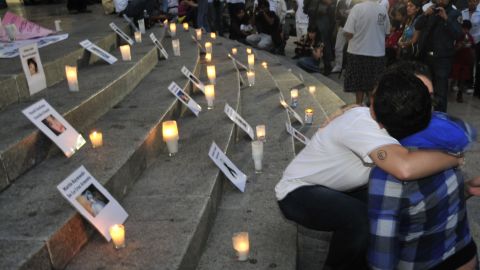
[
  {"x": 300, "y": 17},
  {"x": 120, "y": 5},
  {"x": 368, "y": 22},
  {"x": 337, "y": 155},
  {"x": 277, "y": 6},
  {"x": 475, "y": 20}
]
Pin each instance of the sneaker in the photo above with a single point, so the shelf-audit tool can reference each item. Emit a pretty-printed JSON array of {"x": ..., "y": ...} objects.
[
  {"x": 455, "y": 88},
  {"x": 336, "y": 69},
  {"x": 469, "y": 91}
]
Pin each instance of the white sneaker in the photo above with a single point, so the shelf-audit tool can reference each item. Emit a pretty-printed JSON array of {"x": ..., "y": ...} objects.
[
  {"x": 336, "y": 69},
  {"x": 455, "y": 88},
  {"x": 469, "y": 91}
]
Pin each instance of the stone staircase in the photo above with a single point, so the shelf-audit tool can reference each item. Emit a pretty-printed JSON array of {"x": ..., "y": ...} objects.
[{"x": 182, "y": 210}]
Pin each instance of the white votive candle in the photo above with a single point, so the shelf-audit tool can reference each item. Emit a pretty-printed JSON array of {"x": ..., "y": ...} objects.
[
  {"x": 125, "y": 51},
  {"x": 72, "y": 77},
  {"x": 264, "y": 65},
  {"x": 251, "y": 78},
  {"x": 210, "y": 95},
  {"x": 294, "y": 97},
  {"x": 96, "y": 138},
  {"x": 234, "y": 51},
  {"x": 117, "y": 232},
  {"x": 309, "y": 116},
  {"x": 138, "y": 37},
  {"x": 198, "y": 34},
  {"x": 257, "y": 155},
  {"x": 312, "y": 89},
  {"x": 213, "y": 35},
  {"x": 173, "y": 29},
  {"x": 241, "y": 244},
  {"x": 211, "y": 74},
  {"x": 261, "y": 132},
  {"x": 251, "y": 61},
  {"x": 176, "y": 47},
  {"x": 170, "y": 136},
  {"x": 249, "y": 50},
  {"x": 208, "y": 47},
  {"x": 185, "y": 26},
  {"x": 208, "y": 57}
]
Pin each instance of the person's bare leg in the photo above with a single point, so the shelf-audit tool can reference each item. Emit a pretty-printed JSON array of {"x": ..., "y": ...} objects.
[{"x": 359, "y": 97}]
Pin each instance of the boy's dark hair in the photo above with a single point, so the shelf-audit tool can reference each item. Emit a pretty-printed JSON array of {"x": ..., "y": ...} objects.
[
  {"x": 402, "y": 103},
  {"x": 415, "y": 67}
]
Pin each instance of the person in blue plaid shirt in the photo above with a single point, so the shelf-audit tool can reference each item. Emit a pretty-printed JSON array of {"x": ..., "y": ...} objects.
[{"x": 420, "y": 224}]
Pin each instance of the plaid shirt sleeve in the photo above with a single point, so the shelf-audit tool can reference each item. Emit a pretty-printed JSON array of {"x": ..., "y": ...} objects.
[{"x": 384, "y": 204}]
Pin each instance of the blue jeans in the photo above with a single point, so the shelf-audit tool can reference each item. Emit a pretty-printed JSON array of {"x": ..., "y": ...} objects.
[
  {"x": 309, "y": 64},
  {"x": 345, "y": 214}
]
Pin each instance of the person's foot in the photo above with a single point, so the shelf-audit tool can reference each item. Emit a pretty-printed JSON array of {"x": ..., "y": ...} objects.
[
  {"x": 336, "y": 69},
  {"x": 469, "y": 91}
]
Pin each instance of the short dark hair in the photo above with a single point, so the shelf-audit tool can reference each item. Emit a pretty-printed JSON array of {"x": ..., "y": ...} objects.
[
  {"x": 402, "y": 103},
  {"x": 415, "y": 67}
]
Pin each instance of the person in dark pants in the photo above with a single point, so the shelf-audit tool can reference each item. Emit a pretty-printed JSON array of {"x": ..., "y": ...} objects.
[
  {"x": 215, "y": 10},
  {"x": 440, "y": 26}
]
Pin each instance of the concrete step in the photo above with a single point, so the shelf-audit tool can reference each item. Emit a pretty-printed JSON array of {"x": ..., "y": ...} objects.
[
  {"x": 272, "y": 239},
  {"x": 39, "y": 228},
  {"x": 22, "y": 146},
  {"x": 174, "y": 202},
  {"x": 94, "y": 26}
]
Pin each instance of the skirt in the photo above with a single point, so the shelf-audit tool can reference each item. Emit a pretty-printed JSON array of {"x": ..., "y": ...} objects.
[{"x": 362, "y": 72}]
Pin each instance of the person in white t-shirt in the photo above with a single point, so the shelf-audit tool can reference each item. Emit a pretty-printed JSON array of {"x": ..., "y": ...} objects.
[
  {"x": 366, "y": 28},
  {"x": 324, "y": 187},
  {"x": 301, "y": 20}
]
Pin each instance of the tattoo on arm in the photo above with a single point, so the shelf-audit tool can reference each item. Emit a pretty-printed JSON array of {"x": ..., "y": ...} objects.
[{"x": 382, "y": 154}]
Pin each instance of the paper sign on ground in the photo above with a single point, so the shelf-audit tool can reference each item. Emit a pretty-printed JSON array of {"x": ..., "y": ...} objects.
[
  {"x": 296, "y": 134},
  {"x": 178, "y": 92},
  {"x": 291, "y": 110},
  {"x": 33, "y": 68},
  {"x": 54, "y": 126},
  {"x": 25, "y": 29},
  {"x": 121, "y": 34},
  {"x": 92, "y": 200},
  {"x": 237, "y": 177},
  {"x": 159, "y": 45},
  {"x": 237, "y": 119},
  {"x": 199, "y": 84},
  {"x": 235, "y": 61},
  {"x": 89, "y": 46},
  {"x": 198, "y": 44},
  {"x": 130, "y": 22},
  {"x": 10, "y": 49}
]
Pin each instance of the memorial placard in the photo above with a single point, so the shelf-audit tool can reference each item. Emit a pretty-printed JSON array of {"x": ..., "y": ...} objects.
[
  {"x": 237, "y": 177},
  {"x": 122, "y": 34},
  {"x": 296, "y": 134},
  {"x": 130, "y": 22},
  {"x": 55, "y": 127},
  {"x": 89, "y": 46},
  {"x": 199, "y": 84},
  {"x": 198, "y": 44},
  {"x": 92, "y": 201},
  {"x": 291, "y": 110},
  {"x": 237, "y": 119},
  {"x": 159, "y": 45},
  {"x": 178, "y": 92},
  {"x": 235, "y": 61},
  {"x": 33, "y": 68}
]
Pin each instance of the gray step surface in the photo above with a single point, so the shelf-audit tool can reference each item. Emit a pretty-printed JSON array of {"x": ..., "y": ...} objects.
[
  {"x": 45, "y": 231},
  {"x": 94, "y": 26},
  {"x": 272, "y": 238},
  {"x": 101, "y": 85},
  {"x": 172, "y": 205}
]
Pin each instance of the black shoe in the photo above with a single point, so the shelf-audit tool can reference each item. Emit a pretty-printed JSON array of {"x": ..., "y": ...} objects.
[{"x": 327, "y": 70}]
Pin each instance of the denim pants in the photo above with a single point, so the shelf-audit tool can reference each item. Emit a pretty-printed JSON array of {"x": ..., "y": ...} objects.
[
  {"x": 309, "y": 64},
  {"x": 344, "y": 214}
]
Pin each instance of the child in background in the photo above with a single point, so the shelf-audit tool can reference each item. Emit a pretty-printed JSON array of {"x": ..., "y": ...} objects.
[
  {"x": 304, "y": 46},
  {"x": 463, "y": 61},
  {"x": 399, "y": 15}
]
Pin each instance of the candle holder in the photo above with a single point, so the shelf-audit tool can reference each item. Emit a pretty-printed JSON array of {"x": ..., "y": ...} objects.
[
  {"x": 72, "y": 78},
  {"x": 294, "y": 97},
  {"x": 211, "y": 73},
  {"x": 96, "y": 138},
  {"x": 138, "y": 37},
  {"x": 251, "y": 78},
  {"x": 251, "y": 61},
  {"x": 208, "y": 47},
  {"x": 170, "y": 136},
  {"x": 176, "y": 47},
  {"x": 173, "y": 29},
  {"x": 261, "y": 132},
  {"x": 58, "y": 27},
  {"x": 198, "y": 34},
  {"x": 125, "y": 51},
  {"x": 117, "y": 232},
  {"x": 185, "y": 26},
  {"x": 210, "y": 95},
  {"x": 309, "y": 116},
  {"x": 257, "y": 155},
  {"x": 234, "y": 51},
  {"x": 241, "y": 244},
  {"x": 312, "y": 89}
]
